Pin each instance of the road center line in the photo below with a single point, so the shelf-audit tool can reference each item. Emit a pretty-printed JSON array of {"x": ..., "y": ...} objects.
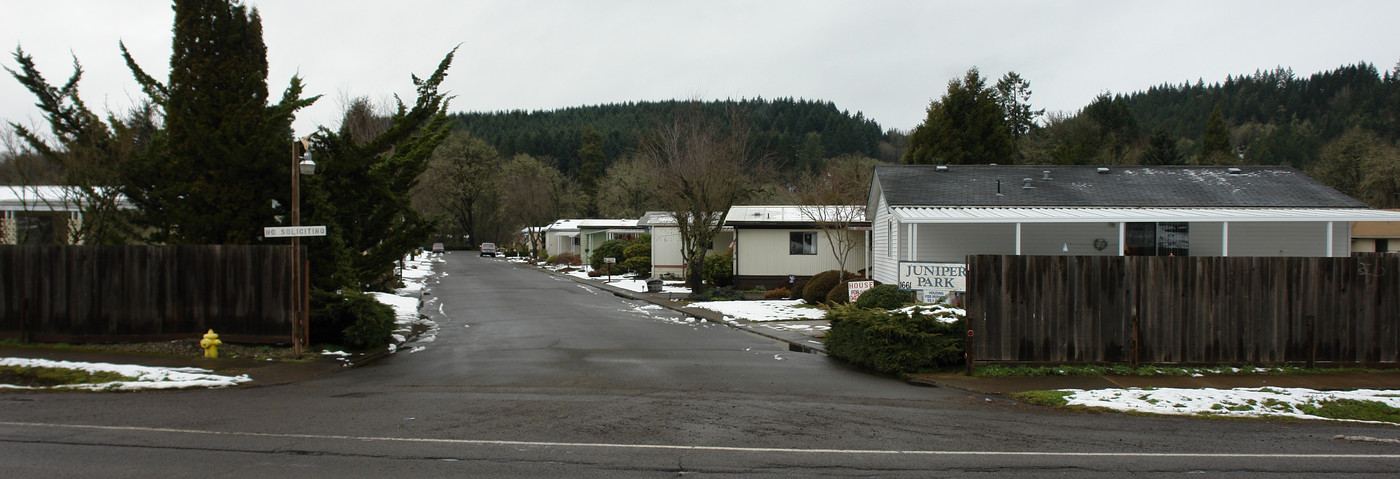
[{"x": 484, "y": 442}]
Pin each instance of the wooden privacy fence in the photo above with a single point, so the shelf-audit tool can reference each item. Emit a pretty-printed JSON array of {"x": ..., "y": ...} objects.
[
  {"x": 145, "y": 293},
  {"x": 1184, "y": 310}
]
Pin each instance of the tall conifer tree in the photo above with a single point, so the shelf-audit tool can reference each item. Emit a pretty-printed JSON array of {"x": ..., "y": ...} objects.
[{"x": 225, "y": 153}]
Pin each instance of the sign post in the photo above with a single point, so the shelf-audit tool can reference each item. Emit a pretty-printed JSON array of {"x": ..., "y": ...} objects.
[{"x": 301, "y": 282}]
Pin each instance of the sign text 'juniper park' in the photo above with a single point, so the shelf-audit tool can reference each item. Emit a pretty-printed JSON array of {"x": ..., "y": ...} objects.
[{"x": 932, "y": 280}]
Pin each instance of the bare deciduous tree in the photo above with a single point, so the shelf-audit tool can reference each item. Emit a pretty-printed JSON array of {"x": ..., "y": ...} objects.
[
  {"x": 531, "y": 193},
  {"x": 834, "y": 199},
  {"x": 701, "y": 167}
]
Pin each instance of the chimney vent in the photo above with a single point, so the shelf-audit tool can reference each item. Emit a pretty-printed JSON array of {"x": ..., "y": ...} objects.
[
  {"x": 1026, "y": 184},
  {"x": 1045, "y": 175}
]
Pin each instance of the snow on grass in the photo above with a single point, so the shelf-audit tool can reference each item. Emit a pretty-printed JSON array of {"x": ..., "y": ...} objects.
[
  {"x": 630, "y": 284},
  {"x": 405, "y": 301},
  {"x": 147, "y": 377},
  {"x": 765, "y": 310},
  {"x": 1238, "y": 402},
  {"x": 935, "y": 309}
]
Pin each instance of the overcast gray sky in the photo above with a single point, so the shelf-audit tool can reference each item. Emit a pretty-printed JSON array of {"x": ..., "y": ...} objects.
[{"x": 888, "y": 59}]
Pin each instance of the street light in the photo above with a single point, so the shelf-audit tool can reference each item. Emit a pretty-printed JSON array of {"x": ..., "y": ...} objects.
[{"x": 301, "y": 323}]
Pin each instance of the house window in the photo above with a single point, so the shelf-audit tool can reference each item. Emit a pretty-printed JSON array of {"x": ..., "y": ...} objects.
[
  {"x": 1157, "y": 239},
  {"x": 889, "y": 238},
  {"x": 576, "y": 242},
  {"x": 802, "y": 243}
]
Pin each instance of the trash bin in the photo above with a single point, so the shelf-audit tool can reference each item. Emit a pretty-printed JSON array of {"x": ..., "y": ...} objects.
[{"x": 654, "y": 285}]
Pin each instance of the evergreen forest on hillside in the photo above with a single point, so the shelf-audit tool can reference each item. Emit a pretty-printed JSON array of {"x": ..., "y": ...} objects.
[
  {"x": 1338, "y": 126},
  {"x": 793, "y": 132}
]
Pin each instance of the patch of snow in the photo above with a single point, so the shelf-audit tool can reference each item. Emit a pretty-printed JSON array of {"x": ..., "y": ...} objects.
[
  {"x": 1237, "y": 402},
  {"x": 765, "y": 310},
  {"x": 147, "y": 377}
]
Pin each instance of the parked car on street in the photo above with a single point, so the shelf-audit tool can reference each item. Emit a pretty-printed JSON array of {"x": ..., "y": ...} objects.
[
  {"x": 489, "y": 249},
  {"x": 438, "y": 248}
]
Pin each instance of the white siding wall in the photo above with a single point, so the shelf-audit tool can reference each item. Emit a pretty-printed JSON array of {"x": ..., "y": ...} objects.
[
  {"x": 953, "y": 242},
  {"x": 557, "y": 244},
  {"x": 764, "y": 252},
  {"x": 885, "y": 241},
  {"x": 1285, "y": 239},
  {"x": 666, "y": 251},
  {"x": 1051, "y": 239}
]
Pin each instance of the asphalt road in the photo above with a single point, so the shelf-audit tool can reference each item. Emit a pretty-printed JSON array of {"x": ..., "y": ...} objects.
[{"x": 535, "y": 375}]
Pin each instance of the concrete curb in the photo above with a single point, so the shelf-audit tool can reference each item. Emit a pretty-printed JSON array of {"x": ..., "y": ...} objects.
[{"x": 797, "y": 342}]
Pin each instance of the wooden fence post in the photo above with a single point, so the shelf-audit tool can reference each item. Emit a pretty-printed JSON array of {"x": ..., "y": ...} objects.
[
  {"x": 1311, "y": 325},
  {"x": 24, "y": 320},
  {"x": 1135, "y": 340}
]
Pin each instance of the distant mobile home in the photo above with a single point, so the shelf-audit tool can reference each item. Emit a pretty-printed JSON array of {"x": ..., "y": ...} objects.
[{"x": 925, "y": 215}]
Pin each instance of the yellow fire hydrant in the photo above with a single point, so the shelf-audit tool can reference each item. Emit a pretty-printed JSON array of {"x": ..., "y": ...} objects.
[{"x": 210, "y": 343}]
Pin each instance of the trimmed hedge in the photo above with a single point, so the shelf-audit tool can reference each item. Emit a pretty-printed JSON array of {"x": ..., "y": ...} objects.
[
  {"x": 609, "y": 249},
  {"x": 894, "y": 342},
  {"x": 818, "y": 286},
  {"x": 841, "y": 294},
  {"x": 638, "y": 264},
  {"x": 780, "y": 293},
  {"x": 884, "y": 296}
]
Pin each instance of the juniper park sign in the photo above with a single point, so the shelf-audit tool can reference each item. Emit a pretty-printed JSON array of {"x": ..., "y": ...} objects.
[{"x": 932, "y": 280}]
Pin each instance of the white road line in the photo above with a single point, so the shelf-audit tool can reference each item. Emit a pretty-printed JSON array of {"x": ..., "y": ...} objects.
[{"x": 483, "y": 442}]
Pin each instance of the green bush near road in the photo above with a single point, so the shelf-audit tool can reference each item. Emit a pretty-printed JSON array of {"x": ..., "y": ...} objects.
[
  {"x": 816, "y": 288},
  {"x": 884, "y": 296},
  {"x": 894, "y": 342},
  {"x": 351, "y": 319},
  {"x": 719, "y": 269}
]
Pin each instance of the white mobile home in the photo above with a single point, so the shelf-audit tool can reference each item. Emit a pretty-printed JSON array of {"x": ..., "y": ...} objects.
[
  {"x": 774, "y": 245},
  {"x": 927, "y": 218},
  {"x": 666, "y": 258}
]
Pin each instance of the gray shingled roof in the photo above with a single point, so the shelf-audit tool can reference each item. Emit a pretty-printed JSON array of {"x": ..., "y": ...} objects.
[{"x": 1121, "y": 186}]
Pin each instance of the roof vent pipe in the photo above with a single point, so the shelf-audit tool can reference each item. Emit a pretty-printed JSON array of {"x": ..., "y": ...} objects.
[
  {"x": 940, "y": 168},
  {"x": 1103, "y": 171},
  {"x": 1045, "y": 175},
  {"x": 999, "y": 187},
  {"x": 1233, "y": 171},
  {"x": 1026, "y": 184}
]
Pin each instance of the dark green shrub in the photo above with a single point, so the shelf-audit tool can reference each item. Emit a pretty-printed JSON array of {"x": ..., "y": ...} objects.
[
  {"x": 609, "y": 249},
  {"x": 352, "y": 319},
  {"x": 565, "y": 258},
  {"x": 639, "y": 247},
  {"x": 638, "y": 264},
  {"x": 797, "y": 290},
  {"x": 818, "y": 286},
  {"x": 841, "y": 294},
  {"x": 884, "y": 296},
  {"x": 723, "y": 293},
  {"x": 719, "y": 269},
  {"x": 780, "y": 293},
  {"x": 892, "y": 342}
]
